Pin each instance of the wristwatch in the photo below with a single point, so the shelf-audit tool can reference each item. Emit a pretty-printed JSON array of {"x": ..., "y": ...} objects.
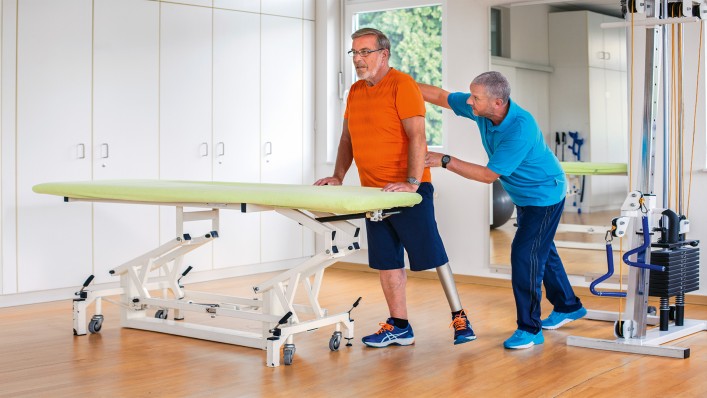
[
  {"x": 445, "y": 159},
  {"x": 413, "y": 181}
]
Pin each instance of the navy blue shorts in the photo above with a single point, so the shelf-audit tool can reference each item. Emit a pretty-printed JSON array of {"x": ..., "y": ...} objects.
[{"x": 414, "y": 229}]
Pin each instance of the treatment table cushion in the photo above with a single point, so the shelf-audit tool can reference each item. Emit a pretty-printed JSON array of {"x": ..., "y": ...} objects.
[{"x": 331, "y": 199}]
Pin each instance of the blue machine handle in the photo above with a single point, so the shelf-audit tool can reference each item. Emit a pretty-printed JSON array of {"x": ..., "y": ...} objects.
[
  {"x": 642, "y": 248},
  {"x": 610, "y": 263},
  {"x": 610, "y": 272}
]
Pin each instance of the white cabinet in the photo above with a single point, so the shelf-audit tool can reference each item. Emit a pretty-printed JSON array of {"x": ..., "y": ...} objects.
[
  {"x": 588, "y": 94},
  {"x": 238, "y": 5},
  {"x": 140, "y": 89},
  {"x": 607, "y": 47},
  {"x": 236, "y": 118},
  {"x": 53, "y": 141},
  {"x": 185, "y": 150},
  {"x": 125, "y": 125},
  {"x": 286, "y": 8},
  {"x": 281, "y": 127}
]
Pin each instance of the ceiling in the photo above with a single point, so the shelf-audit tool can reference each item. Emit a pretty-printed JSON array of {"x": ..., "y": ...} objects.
[{"x": 608, "y": 7}]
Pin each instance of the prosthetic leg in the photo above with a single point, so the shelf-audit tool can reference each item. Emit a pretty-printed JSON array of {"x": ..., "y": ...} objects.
[{"x": 450, "y": 288}]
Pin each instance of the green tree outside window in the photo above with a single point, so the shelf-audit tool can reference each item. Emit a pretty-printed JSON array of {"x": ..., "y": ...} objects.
[{"x": 416, "y": 38}]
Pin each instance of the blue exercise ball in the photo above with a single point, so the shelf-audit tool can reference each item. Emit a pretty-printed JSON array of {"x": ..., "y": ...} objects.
[{"x": 502, "y": 205}]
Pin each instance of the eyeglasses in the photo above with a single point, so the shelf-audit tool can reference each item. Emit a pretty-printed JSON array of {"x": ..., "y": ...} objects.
[{"x": 364, "y": 53}]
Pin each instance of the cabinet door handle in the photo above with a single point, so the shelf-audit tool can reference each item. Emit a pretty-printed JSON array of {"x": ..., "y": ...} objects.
[
  {"x": 268, "y": 148},
  {"x": 80, "y": 151},
  {"x": 105, "y": 153},
  {"x": 220, "y": 149},
  {"x": 204, "y": 149}
]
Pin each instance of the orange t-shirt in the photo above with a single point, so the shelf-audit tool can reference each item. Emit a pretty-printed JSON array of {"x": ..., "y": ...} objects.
[{"x": 374, "y": 114}]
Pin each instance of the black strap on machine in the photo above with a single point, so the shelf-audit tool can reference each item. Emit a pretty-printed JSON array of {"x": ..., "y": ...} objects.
[{"x": 354, "y": 216}]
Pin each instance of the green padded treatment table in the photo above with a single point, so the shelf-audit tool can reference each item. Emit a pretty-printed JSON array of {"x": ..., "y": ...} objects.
[
  {"x": 325, "y": 210},
  {"x": 332, "y": 199},
  {"x": 590, "y": 168}
]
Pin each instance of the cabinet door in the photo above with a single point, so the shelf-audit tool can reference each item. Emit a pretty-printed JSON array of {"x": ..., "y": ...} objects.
[
  {"x": 568, "y": 43},
  {"x": 595, "y": 40},
  {"x": 185, "y": 110},
  {"x": 286, "y": 8},
  {"x": 281, "y": 127},
  {"x": 308, "y": 155},
  {"x": 614, "y": 45},
  {"x": 598, "y": 118},
  {"x": 237, "y": 129},
  {"x": 616, "y": 187},
  {"x": 53, "y": 141},
  {"x": 238, "y": 5},
  {"x": 125, "y": 125}
]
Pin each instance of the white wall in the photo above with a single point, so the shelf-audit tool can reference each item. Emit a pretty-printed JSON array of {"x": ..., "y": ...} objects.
[
  {"x": 7, "y": 156},
  {"x": 462, "y": 206}
]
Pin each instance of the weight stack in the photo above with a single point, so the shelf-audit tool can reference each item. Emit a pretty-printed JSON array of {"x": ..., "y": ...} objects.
[{"x": 681, "y": 275}]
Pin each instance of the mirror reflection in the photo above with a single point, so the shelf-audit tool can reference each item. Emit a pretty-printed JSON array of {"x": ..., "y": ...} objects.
[{"x": 571, "y": 74}]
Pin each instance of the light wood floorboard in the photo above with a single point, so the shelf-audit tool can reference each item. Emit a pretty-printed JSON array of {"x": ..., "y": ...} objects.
[{"x": 39, "y": 356}]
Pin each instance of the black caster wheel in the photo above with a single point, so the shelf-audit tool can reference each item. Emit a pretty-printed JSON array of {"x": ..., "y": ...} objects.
[
  {"x": 335, "y": 341},
  {"x": 94, "y": 326},
  {"x": 161, "y": 314},
  {"x": 288, "y": 353}
]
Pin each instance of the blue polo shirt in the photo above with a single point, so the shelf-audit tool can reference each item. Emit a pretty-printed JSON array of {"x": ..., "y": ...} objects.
[{"x": 530, "y": 172}]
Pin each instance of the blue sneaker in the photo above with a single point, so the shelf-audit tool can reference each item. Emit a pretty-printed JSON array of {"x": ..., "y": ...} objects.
[
  {"x": 389, "y": 334},
  {"x": 462, "y": 329},
  {"x": 523, "y": 339},
  {"x": 557, "y": 319}
]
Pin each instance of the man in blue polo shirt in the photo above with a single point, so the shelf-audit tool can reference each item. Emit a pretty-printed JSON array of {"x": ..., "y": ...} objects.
[{"x": 532, "y": 176}]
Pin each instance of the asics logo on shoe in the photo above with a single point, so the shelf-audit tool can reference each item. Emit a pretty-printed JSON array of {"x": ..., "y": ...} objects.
[{"x": 391, "y": 336}]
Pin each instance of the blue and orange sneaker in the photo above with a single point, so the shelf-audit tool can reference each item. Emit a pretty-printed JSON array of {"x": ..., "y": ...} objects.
[
  {"x": 389, "y": 334},
  {"x": 463, "y": 333}
]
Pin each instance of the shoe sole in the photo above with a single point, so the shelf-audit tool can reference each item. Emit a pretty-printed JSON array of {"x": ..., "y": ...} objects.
[
  {"x": 401, "y": 342},
  {"x": 564, "y": 322},
  {"x": 527, "y": 345},
  {"x": 464, "y": 340},
  {"x": 520, "y": 347}
]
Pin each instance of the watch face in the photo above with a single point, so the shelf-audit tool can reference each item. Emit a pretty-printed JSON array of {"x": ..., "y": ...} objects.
[{"x": 445, "y": 160}]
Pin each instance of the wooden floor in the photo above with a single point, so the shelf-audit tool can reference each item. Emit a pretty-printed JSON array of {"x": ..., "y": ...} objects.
[{"x": 39, "y": 356}]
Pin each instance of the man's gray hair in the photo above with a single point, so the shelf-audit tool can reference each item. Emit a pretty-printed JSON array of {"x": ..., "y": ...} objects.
[
  {"x": 496, "y": 85},
  {"x": 382, "y": 39}
]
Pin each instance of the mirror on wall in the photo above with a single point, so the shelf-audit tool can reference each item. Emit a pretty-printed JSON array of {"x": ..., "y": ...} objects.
[{"x": 571, "y": 75}]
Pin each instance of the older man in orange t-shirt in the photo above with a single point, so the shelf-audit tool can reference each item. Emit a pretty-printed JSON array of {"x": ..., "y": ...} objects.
[{"x": 384, "y": 132}]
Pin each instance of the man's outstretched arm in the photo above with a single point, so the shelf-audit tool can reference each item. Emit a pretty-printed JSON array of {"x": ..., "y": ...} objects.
[{"x": 434, "y": 95}]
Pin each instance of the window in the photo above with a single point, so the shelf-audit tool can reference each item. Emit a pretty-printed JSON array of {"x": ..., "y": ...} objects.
[
  {"x": 496, "y": 32},
  {"x": 499, "y": 32},
  {"x": 415, "y": 35}
]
